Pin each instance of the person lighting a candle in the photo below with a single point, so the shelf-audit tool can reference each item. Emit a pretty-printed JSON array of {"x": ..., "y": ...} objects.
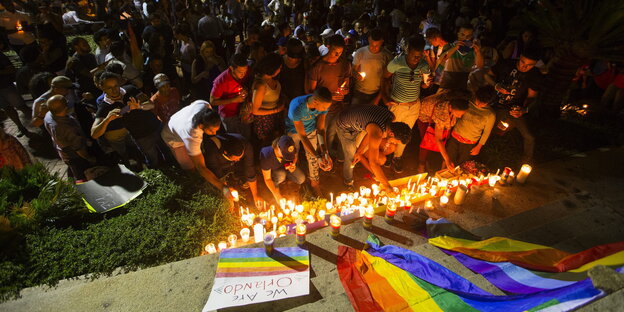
[
  {"x": 278, "y": 162},
  {"x": 369, "y": 64},
  {"x": 232, "y": 153},
  {"x": 306, "y": 124},
  {"x": 361, "y": 130}
]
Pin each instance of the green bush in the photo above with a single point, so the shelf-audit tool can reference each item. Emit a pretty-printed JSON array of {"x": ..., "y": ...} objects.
[{"x": 172, "y": 220}]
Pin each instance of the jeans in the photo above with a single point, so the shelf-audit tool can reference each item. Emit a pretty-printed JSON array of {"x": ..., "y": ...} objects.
[
  {"x": 349, "y": 142},
  {"x": 234, "y": 125},
  {"x": 360, "y": 98},
  {"x": 330, "y": 128},
  {"x": 149, "y": 147},
  {"x": 458, "y": 152},
  {"x": 313, "y": 162},
  {"x": 279, "y": 175},
  {"x": 521, "y": 125}
]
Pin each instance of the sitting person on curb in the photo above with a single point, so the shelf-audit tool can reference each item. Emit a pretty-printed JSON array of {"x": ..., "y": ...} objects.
[
  {"x": 361, "y": 130},
  {"x": 184, "y": 134},
  {"x": 231, "y": 153},
  {"x": 125, "y": 113},
  {"x": 69, "y": 140},
  {"x": 278, "y": 162},
  {"x": 305, "y": 121}
]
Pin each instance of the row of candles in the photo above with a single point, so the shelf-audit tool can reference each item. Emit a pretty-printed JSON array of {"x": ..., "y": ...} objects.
[{"x": 349, "y": 206}]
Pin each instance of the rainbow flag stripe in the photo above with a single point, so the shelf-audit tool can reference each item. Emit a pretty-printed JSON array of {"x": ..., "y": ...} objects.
[
  {"x": 510, "y": 277},
  {"x": 243, "y": 262},
  {"x": 390, "y": 278},
  {"x": 527, "y": 255}
]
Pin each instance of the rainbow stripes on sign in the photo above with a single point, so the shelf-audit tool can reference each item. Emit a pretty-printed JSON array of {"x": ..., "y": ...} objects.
[
  {"x": 244, "y": 262},
  {"x": 390, "y": 278}
]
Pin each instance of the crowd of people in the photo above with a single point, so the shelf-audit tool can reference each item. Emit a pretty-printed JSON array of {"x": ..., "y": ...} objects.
[{"x": 226, "y": 86}]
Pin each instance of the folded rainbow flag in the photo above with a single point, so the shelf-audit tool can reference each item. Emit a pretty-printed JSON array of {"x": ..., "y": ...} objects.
[
  {"x": 508, "y": 276},
  {"x": 527, "y": 255},
  {"x": 390, "y": 278}
]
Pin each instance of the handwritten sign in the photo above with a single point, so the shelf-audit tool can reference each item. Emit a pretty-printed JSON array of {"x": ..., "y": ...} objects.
[
  {"x": 112, "y": 190},
  {"x": 247, "y": 275}
]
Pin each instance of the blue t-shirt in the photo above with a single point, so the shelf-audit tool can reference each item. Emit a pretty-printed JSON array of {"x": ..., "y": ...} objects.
[
  {"x": 299, "y": 111},
  {"x": 268, "y": 160}
]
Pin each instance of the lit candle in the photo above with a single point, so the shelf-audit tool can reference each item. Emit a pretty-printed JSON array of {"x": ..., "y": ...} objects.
[
  {"x": 282, "y": 229},
  {"x": 321, "y": 214},
  {"x": 301, "y": 233},
  {"x": 286, "y": 212},
  {"x": 335, "y": 223},
  {"x": 235, "y": 195},
  {"x": 222, "y": 245},
  {"x": 258, "y": 232},
  {"x": 210, "y": 248},
  {"x": 363, "y": 74},
  {"x": 511, "y": 178},
  {"x": 274, "y": 221},
  {"x": 19, "y": 27},
  {"x": 369, "y": 213},
  {"x": 460, "y": 195},
  {"x": 295, "y": 214},
  {"x": 269, "y": 239},
  {"x": 280, "y": 216},
  {"x": 331, "y": 199},
  {"x": 390, "y": 212},
  {"x": 310, "y": 218},
  {"x": 299, "y": 208},
  {"x": 524, "y": 173},
  {"x": 444, "y": 200},
  {"x": 282, "y": 203},
  {"x": 492, "y": 180},
  {"x": 428, "y": 205},
  {"x": 433, "y": 191},
  {"x": 244, "y": 233},
  {"x": 232, "y": 240}
]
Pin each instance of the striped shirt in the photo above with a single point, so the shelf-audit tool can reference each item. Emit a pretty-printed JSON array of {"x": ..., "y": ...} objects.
[
  {"x": 406, "y": 81},
  {"x": 356, "y": 118}
]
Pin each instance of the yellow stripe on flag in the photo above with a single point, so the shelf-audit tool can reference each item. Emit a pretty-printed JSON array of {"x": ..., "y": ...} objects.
[{"x": 499, "y": 244}]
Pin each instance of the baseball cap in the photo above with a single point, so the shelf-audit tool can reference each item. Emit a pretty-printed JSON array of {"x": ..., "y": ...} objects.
[
  {"x": 287, "y": 147},
  {"x": 327, "y": 32},
  {"x": 161, "y": 80},
  {"x": 62, "y": 82}
]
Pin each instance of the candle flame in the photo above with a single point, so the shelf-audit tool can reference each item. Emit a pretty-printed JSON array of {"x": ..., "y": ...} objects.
[{"x": 18, "y": 26}]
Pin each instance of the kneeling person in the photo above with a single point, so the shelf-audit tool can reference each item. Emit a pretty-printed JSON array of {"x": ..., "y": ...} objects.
[
  {"x": 231, "y": 153},
  {"x": 278, "y": 162}
]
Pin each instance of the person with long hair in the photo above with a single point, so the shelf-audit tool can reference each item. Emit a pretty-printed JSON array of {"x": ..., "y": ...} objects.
[
  {"x": 266, "y": 107},
  {"x": 206, "y": 67}
]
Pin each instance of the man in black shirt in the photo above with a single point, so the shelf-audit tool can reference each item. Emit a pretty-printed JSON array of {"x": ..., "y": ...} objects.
[
  {"x": 231, "y": 153},
  {"x": 126, "y": 111},
  {"x": 516, "y": 83}
]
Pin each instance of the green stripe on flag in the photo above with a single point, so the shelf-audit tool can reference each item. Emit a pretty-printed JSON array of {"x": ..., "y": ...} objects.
[{"x": 447, "y": 301}]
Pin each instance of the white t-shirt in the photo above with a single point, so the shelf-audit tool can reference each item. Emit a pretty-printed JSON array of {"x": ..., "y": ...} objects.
[
  {"x": 179, "y": 132},
  {"x": 373, "y": 65}
]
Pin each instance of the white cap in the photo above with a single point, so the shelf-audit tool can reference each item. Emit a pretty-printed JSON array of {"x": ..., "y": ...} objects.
[{"x": 327, "y": 32}]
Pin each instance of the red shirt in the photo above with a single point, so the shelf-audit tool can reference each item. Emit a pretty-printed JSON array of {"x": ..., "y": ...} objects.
[
  {"x": 166, "y": 106},
  {"x": 226, "y": 87}
]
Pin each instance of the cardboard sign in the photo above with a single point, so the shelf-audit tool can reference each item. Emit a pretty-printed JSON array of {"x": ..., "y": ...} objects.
[
  {"x": 113, "y": 189},
  {"x": 247, "y": 275}
]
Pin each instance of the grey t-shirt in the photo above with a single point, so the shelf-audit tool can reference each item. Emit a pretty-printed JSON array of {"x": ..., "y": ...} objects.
[{"x": 373, "y": 65}]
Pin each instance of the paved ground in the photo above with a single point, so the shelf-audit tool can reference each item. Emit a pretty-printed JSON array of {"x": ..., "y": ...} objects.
[{"x": 571, "y": 204}]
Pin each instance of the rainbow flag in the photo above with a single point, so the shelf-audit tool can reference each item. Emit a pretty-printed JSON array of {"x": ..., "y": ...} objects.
[
  {"x": 531, "y": 256},
  {"x": 248, "y": 275},
  {"x": 510, "y": 277},
  {"x": 390, "y": 278}
]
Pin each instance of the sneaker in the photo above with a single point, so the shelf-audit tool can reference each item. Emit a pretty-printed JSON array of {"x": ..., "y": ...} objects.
[
  {"x": 388, "y": 161},
  {"x": 397, "y": 164}
]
